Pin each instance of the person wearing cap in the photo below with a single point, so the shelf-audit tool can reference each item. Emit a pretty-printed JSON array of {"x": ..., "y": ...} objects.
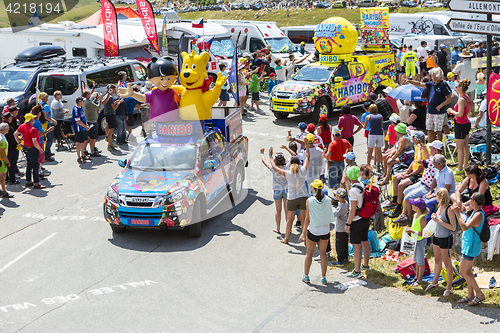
[
  {"x": 318, "y": 142},
  {"x": 299, "y": 138},
  {"x": 324, "y": 130},
  {"x": 347, "y": 122},
  {"x": 375, "y": 136},
  {"x": 422, "y": 54},
  {"x": 350, "y": 160},
  {"x": 335, "y": 157},
  {"x": 464, "y": 70},
  {"x": 403, "y": 145},
  {"x": 316, "y": 164},
  {"x": 451, "y": 80},
  {"x": 46, "y": 121},
  {"x": 395, "y": 120},
  {"x": 409, "y": 61},
  {"x": 5, "y": 163},
  {"x": 12, "y": 151},
  {"x": 80, "y": 128},
  {"x": 419, "y": 189},
  {"x": 302, "y": 49},
  {"x": 316, "y": 230},
  {"x": 271, "y": 84},
  {"x": 32, "y": 149},
  {"x": 297, "y": 190},
  {"x": 357, "y": 226},
  {"x": 412, "y": 175},
  {"x": 442, "y": 59},
  {"x": 9, "y": 102},
  {"x": 418, "y": 224},
  {"x": 341, "y": 237},
  {"x": 390, "y": 100},
  {"x": 440, "y": 95}
]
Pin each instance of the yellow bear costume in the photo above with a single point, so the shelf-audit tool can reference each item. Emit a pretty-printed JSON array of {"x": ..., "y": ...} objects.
[{"x": 196, "y": 103}]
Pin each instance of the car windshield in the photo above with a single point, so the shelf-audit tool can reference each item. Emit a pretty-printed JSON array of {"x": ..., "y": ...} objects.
[
  {"x": 281, "y": 44},
  {"x": 222, "y": 47},
  {"x": 163, "y": 157},
  {"x": 314, "y": 74},
  {"x": 14, "y": 81}
]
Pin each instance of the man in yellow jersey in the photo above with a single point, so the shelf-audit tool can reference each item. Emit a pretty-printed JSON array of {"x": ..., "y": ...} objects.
[{"x": 409, "y": 61}]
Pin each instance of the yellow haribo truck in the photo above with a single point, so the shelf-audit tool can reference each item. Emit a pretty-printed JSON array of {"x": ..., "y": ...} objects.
[{"x": 339, "y": 77}]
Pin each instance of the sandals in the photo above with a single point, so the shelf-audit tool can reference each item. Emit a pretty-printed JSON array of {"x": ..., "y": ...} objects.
[
  {"x": 80, "y": 160},
  {"x": 476, "y": 300},
  {"x": 276, "y": 231},
  {"x": 284, "y": 241},
  {"x": 464, "y": 300},
  {"x": 447, "y": 293},
  {"x": 413, "y": 284},
  {"x": 430, "y": 286}
]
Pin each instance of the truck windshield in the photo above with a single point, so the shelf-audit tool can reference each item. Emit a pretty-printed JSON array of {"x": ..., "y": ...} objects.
[
  {"x": 314, "y": 74},
  {"x": 222, "y": 48},
  {"x": 280, "y": 44},
  {"x": 14, "y": 81},
  {"x": 163, "y": 157}
]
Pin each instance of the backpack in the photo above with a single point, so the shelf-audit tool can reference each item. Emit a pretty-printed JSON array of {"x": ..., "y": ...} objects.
[
  {"x": 485, "y": 234},
  {"x": 42, "y": 119},
  {"x": 370, "y": 202}
]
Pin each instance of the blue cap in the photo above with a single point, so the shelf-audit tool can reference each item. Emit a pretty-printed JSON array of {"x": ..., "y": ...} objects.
[
  {"x": 350, "y": 156},
  {"x": 303, "y": 126}
]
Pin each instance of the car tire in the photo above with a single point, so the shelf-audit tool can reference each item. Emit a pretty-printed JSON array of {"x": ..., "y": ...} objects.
[
  {"x": 117, "y": 230},
  {"x": 194, "y": 229},
  {"x": 321, "y": 107},
  {"x": 101, "y": 123},
  {"x": 280, "y": 115},
  {"x": 237, "y": 185}
]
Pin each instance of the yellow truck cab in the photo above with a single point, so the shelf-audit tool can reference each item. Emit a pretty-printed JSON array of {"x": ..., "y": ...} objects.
[{"x": 337, "y": 78}]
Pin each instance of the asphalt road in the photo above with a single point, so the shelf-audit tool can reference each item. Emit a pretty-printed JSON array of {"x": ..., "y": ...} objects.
[{"x": 63, "y": 270}]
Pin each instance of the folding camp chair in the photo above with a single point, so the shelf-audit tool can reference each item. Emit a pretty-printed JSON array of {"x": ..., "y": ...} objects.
[{"x": 450, "y": 147}]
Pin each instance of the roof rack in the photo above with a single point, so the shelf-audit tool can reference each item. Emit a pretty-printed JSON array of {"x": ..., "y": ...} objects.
[{"x": 84, "y": 63}]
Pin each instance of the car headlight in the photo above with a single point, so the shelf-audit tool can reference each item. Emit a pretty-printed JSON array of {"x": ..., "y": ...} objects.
[
  {"x": 302, "y": 94},
  {"x": 178, "y": 195},
  {"x": 159, "y": 201},
  {"x": 112, "y": 195}
]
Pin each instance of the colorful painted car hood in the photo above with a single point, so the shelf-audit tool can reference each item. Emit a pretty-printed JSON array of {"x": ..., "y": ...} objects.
[
  {"x": 297, "y": 86},
  {"x": 150, "y": 182}
]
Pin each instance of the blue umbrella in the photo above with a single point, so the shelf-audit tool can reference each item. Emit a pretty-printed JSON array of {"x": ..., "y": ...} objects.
[{"x": 408, "y": 92}]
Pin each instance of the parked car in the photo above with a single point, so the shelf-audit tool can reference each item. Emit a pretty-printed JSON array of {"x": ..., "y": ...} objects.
[
  {"x": 322, "y": 5},
  {"x": 256, "y": 6},
  {"x": 339, "y": 4},
  {"x": 433, "y": 4},
  {"x": 368, "y": 3},
  {"x": 410, "y": 4}
]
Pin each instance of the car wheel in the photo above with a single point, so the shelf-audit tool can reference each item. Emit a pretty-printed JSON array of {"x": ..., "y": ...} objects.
[
  {"x": 117, "y": 230},
  {"x": 320, "y": 108},
  {"x": 280, "y": 115},
  {"x": 101, "y": 122},
  {"x": 237, "y": 186},
  {"x": 195, "y": 227}
]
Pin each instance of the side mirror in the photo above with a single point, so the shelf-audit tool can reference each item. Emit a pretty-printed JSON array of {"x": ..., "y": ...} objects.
[
  {"x": 338, "y": 79},
  {"x": 122, "y": 162},
  {"x": 209, "y": 164}
]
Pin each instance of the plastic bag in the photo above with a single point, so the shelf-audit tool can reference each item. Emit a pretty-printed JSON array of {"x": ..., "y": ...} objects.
[
  {"x": 429, "y": 229},
  {"x": 408, "y": 243}
]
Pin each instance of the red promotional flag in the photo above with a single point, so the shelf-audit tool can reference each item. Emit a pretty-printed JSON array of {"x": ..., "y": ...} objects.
[
  {"x": 148, "y": 22},
  {"x": 494, "y": 99},
  {"x": 110, "y": 26}
]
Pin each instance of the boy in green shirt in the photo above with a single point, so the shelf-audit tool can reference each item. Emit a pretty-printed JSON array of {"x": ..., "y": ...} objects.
[{"x": 255, "y": 88}]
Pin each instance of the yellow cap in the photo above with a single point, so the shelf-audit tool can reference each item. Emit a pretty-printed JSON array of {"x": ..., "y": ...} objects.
[
  {"x": 310, "y": 138},
  {"x": 450, "y": 75},
  {"x": 42, "y": 95},
  {"x": 28, "y": 117},
  {"x": 317, "y": 184}
]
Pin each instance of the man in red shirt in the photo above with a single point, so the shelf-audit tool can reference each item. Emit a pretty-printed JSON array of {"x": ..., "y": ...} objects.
[
  {"x": 32, "y": 149},
  {"x": 335, "y": 157}
]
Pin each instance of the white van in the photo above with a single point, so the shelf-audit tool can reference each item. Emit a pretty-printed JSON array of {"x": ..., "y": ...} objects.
[
  {"x": 420, "y": 23},
  {"x": 78, "y": 74},
  {"x": 433, "y": 42},
  {"x": 256, "y": 35},
  {"x": 301, "y": 33}
]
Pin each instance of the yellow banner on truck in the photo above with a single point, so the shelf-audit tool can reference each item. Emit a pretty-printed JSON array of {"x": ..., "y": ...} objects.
[{"x": 375, "y": 29}]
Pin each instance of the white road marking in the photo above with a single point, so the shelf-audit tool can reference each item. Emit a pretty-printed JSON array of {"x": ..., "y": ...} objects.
[{"x": 26, "y": 252}]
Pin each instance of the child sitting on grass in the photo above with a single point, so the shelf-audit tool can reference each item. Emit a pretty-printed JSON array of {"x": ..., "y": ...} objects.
[
  {"x": 418, "y": 224},
  {"x": 341, "y": 237}
]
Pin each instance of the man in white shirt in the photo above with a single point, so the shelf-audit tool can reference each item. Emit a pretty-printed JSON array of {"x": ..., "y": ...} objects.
[
  {"x": 480, "y": 120},
  {"x": 316, "y": 165},
  {"x": 422, "y": 58},
  {"x": 464, "y": 70}
]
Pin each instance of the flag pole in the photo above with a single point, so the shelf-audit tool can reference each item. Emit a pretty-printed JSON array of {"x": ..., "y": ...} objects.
[{"x": 488, "y": 71}]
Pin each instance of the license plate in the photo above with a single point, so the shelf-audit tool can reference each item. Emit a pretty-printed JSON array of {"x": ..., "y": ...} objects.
[
  {"x": 146, "y": 222},
  {"x": 280, "y": 108},
  {"x": 139, "y": 200}
]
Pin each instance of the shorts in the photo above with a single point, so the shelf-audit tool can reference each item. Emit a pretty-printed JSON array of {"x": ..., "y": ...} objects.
[
  {"x": 466, "y": 257},
  {"x": 130, "y": 119},
  {"x": 81, "y": 136},
  {"x": 255, "y": 96},
  {"x": 242, "y": 93},
  {"x": 434, "y": 122},
  {"x": 145, "y": 114},
  {"x": 224, "y": 97},
  {"x": 423, "y": 67},
  {"x": 419, "y": 255},
  {"x": 417, "y": 190},
  {"x": 93, "y": 131},
  {"x": 280, "y": 194},
  {"x": 443, "y": 243},
  {"x": 386, "y": 124},
  {"x": 411, "y": 70},
  {"x": 375, "y": 141},
  {"x": 462, "y": 130},
  {"x": 41, "y": 158},
  {"x": 366, "y": 133},
  {"x": 316, "y": 239},
  {"x": 359, "y": 231},
  {"x": 111, "y": 120},
  {"x": 299, "y": 203},
  {"x": 415, "y": 179},
  {"x": 3, "y": 167}
]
